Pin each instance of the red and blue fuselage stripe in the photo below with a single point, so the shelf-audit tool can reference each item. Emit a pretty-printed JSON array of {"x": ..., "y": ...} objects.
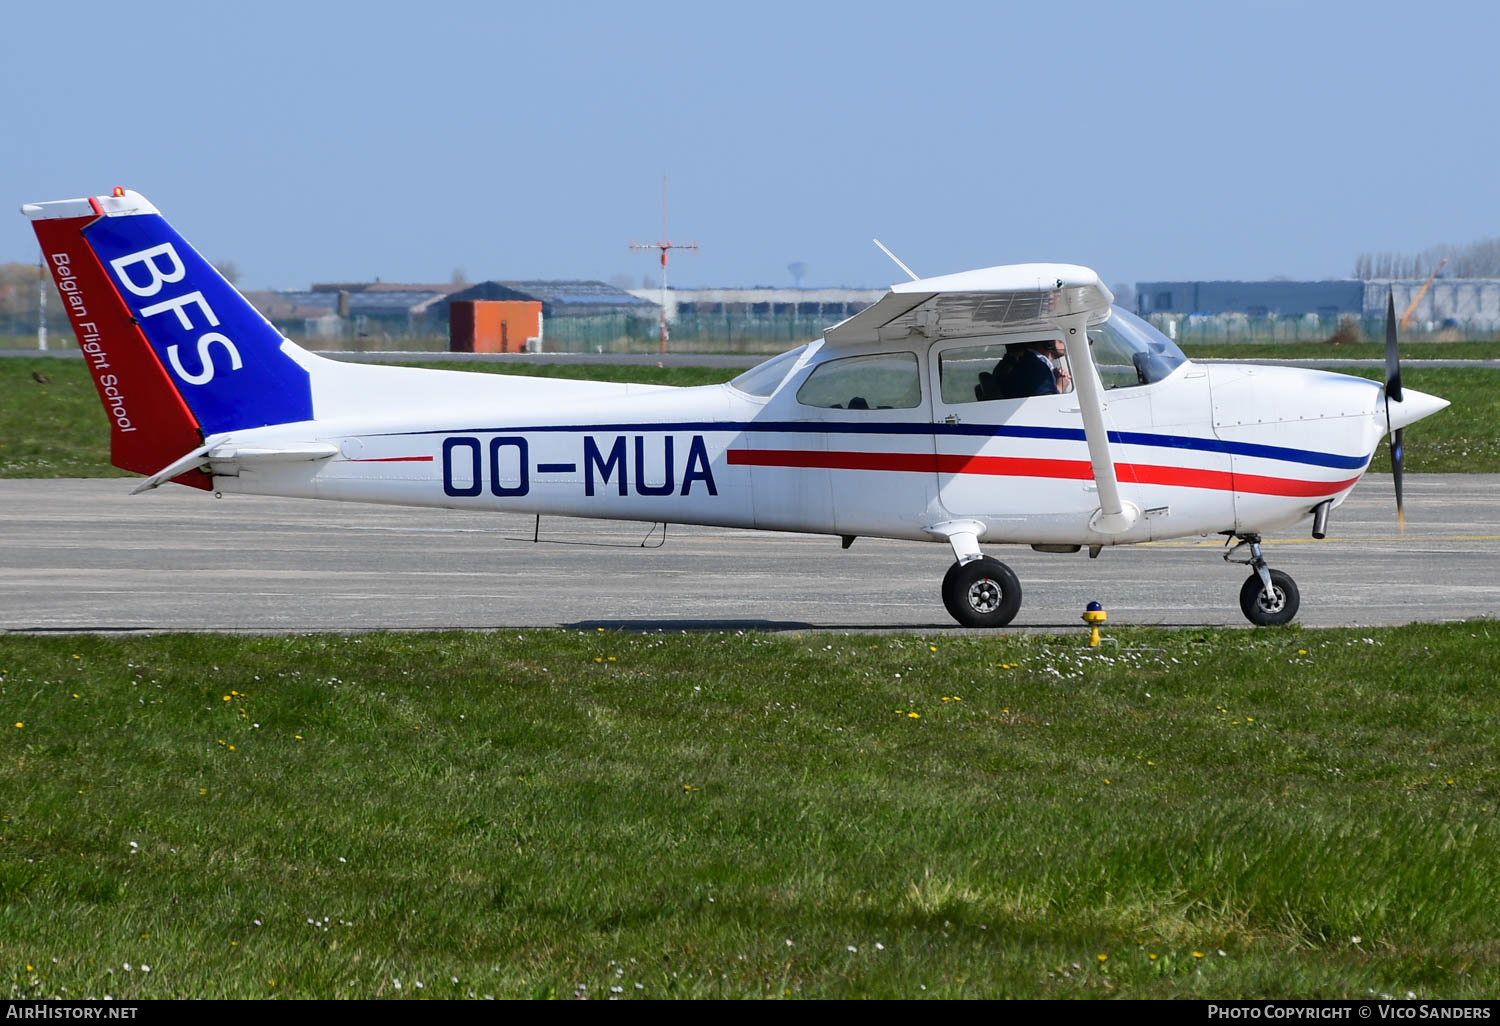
[
  {"x": 1011, "y": 466},
  {"x": 1310, "y": 457}
]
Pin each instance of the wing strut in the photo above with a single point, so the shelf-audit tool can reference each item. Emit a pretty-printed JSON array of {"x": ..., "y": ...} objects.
[{"x": 1114, "y": 515}]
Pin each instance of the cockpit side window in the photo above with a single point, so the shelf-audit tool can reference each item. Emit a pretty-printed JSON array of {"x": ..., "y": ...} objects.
[
  {"x": 1001, "y": 370},
  {"x": 885, "y": 381}
]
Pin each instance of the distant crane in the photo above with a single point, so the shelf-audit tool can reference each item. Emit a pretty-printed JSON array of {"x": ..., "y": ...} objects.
[
  {"x": 664, "y": 245},
  {"x": 1406, "y": 317}
]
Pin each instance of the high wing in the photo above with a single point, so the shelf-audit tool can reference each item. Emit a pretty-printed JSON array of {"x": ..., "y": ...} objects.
[{"x": 979, "y": 302}]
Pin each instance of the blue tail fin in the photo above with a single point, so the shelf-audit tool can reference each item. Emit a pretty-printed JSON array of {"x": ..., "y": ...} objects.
[{"x": 225, "y": 359}]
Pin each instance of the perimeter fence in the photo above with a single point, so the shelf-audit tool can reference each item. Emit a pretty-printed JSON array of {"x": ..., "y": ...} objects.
[{"x": 749, "y": 332}]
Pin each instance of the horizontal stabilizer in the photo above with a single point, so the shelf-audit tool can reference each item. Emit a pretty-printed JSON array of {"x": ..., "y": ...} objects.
[{"x": 228, "y": 452}]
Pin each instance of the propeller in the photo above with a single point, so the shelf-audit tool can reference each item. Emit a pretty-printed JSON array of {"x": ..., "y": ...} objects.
[{"x": 1393, "y": 394}]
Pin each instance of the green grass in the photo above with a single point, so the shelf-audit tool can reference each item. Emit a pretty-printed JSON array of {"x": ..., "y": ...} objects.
[
  {"x": 599, "y": 372},
  {"x": 1272, "y": 813},
  {"x": 52, "y": 429},
  {"x": 58, "y": 429},
  {"x": 1489, "y": 350},
  {"x": 1463, "y": 439}
]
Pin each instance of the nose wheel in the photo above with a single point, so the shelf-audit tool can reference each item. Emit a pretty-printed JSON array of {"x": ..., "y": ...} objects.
[
  {"x": 983, "y": 592},
  {"x": 1268, "y": 598}
]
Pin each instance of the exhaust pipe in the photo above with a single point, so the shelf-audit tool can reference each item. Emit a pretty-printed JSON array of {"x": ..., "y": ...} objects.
[{"x": 1320, "y": 519}]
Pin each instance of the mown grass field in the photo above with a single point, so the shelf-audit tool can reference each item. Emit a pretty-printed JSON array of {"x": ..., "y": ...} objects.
[
  {"x": 1275, "y": 813},
  {"x": 59, "y": 429},
  {"x": 1487, "y": 350}
]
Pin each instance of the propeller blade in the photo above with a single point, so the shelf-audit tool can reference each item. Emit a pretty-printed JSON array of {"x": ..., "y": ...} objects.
[
  {"x": 1396, "y": 457},
  {"x": 1392, "y": 356},
  {"x": 1393, "y": 394}
]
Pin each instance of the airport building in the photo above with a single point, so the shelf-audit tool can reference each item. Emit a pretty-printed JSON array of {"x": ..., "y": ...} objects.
[
  {"x": 577, "y": 314},
  {"x": 1470, "y": 303},
  {"x": 758, "y": 318}
]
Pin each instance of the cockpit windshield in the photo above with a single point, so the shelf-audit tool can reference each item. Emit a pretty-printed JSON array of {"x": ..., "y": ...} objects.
[
  {"x": 763, "y": 378},
  {"x": 1128, "y": 351}
]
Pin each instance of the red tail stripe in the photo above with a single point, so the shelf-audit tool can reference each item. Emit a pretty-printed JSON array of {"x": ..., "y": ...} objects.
[
  {"x": 1014, "y": 466},
  {"x": 394, "y": 459}
]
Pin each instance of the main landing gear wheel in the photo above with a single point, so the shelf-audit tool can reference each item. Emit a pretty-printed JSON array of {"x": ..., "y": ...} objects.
[
  {"x": 982, "y": 593},
  {"x": 1273, "y": 611}
]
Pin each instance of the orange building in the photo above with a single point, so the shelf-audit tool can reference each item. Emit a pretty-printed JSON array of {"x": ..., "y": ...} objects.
[{"x": 493, "y": 325}]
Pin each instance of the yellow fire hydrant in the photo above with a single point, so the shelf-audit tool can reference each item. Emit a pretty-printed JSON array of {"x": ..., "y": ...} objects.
[{"x": 1094, "y": 615}]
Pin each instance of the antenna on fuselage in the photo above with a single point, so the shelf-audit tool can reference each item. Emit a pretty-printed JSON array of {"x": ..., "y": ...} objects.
[{"x": 910, "y": 273}]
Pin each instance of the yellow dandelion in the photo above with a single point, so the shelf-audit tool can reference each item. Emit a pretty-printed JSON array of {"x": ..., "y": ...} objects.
[
  {"x": 28, "y": 968},
  {"x": 297, "y": 736},
  {"x": 1152, "y": 957},
  {"x": 932, "y": 648},
  {"x": 203, "y": 790},
  {"x": 956, "y": 698},
  {"x": 1302, "y": 651},
  {"x": 914, "y": 715},
  {"x": 1104, "y": 958},
  {"x": 231, "y": 748},
  {"x": 1106, "y": 780},
  {"x": 611, "y": 658},
  {"x": 19, "y": 724},
  {"x": 75, "y": 694},
  {"x": 598, "y": 659},
  {"x": 1197, "y": 954},
  {"x": 945, "y": 698},
  {"x": 226, "y": 698},
  {"x": 1150, "y": 763},
  {"x": 78, "y": 657}
]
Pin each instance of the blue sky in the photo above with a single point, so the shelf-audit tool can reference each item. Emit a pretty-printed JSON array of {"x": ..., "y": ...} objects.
[{"x": 331, "y": 141}]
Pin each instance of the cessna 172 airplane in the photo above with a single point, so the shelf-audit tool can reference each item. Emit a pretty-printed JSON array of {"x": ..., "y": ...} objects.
[{"x": 1007, "y": 405}]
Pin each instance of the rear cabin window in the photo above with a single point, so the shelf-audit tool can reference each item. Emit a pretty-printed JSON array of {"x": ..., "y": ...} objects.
[
  {"x": 887, "y": 381},
  {"x": 1000, "y": 371}
]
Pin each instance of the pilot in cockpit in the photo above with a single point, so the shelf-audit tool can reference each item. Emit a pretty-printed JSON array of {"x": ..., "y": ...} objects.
[{"x": 1027, "y": 370}]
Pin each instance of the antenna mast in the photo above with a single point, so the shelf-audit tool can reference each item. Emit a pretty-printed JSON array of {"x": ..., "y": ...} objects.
[{"x": 664, "y": 244}]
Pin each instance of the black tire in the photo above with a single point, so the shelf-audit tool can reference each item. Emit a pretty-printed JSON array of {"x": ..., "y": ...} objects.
[
  {"x": 1269, "y": 614},
  {"x": 982, "y": 593}
]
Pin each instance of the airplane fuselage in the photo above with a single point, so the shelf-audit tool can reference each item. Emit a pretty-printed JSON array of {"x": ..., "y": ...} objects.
[{"x": 1207, "y": 449}]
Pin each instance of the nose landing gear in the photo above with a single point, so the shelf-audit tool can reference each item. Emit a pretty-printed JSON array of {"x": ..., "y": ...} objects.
[{"x": 1268, "y": 598}]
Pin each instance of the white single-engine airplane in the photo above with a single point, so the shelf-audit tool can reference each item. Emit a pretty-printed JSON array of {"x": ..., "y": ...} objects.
[{"x": 1007, "y": 405}]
